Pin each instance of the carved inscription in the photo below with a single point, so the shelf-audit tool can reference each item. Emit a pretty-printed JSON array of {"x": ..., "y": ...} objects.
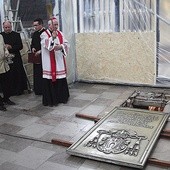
[
  {"x": 116, "y": 142},
  {"x": 134, "y": 119},
  {"x": 125, "y": 136}
]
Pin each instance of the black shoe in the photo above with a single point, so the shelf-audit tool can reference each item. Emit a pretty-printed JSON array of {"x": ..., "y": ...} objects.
[
  {"x": 9, "y": 102},
  {"x": 65, "y": 102},
  {"x": 49, "y": 105},
  {"x": 3, "y": 108}
]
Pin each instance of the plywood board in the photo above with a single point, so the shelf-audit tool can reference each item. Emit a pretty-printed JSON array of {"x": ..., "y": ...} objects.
[{"x": 124, "y": 57}]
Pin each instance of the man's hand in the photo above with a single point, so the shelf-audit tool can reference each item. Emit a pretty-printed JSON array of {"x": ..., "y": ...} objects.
[
  {"x": 8, "y": 46},
  {"x": 54, "y": 34},
  {"x": 38, "y": 53},
  {"x": 57, "y": 47},
  {"x": 33, "y": 50}
]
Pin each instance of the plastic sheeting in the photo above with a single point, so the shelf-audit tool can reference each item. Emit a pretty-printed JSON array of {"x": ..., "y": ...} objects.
[
  {"x": 61, "y": 9},
  {"x": 163, "y": 77},
  {"x": 96, "y": 16}
]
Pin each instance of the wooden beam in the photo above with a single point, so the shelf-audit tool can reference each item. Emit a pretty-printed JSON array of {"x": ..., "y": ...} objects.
[
  {"x": 88, "y": 117},
  {"x": 61, "y": 142},
  {"x": 152, "y": 161},
  {"x": 165, "y": 133},
  {"x": 158, "y": 162}
]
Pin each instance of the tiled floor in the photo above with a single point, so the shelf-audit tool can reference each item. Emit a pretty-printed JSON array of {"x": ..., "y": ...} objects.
[{"x": 26, "y": 129}]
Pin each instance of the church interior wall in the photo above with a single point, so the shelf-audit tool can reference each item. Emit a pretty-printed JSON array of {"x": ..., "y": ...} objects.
[{"x": 123, "y": 57}]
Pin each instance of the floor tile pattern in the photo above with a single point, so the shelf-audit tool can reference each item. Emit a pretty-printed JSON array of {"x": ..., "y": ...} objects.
[{"x": 26, "y": 129}]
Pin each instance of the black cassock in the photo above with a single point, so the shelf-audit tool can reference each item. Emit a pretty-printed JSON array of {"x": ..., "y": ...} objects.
[
  {"x": 18, "y": 79},
  {"x": 37, "y": 68}
]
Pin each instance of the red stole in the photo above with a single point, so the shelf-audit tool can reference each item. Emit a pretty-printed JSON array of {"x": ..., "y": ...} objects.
[{"x": 52, "y": 57}]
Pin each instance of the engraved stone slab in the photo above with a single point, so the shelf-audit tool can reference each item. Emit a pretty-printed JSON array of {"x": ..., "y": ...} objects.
[
  {"x": 124, "y": 136},
  {"x": 150, "y": 99},
  {"x": 147, "y": 100}
]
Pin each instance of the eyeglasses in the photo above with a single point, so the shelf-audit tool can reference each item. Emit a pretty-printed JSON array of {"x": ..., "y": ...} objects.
[{"x": 36, "y": 25}]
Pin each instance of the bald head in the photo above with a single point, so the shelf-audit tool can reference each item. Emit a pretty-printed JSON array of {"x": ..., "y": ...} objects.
[{"x": 7, "y": 26}]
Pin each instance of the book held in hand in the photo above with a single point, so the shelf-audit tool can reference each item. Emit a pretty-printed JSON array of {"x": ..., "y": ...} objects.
[{"x": 34, "y": 59}]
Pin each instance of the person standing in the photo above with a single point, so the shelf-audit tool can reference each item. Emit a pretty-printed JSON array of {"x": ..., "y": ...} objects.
[
  {"x": 4, "y": 79},
  {"x": 13, "y": 43},
  {"x": 36, "y": 49},
  {"x": 54, "y": 50}
]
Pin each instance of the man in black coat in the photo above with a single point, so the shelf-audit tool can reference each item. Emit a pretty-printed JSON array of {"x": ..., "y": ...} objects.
[
  {"x": 13, "y": 42},
  {"x": 36, "y": 49}
]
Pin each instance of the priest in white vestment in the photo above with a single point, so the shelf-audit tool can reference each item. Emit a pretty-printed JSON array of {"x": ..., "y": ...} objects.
[{"x": 54, "y": 48}]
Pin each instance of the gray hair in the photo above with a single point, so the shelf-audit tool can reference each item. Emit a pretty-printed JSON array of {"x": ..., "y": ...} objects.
[
  {"x": 51, "y": 20},
  {"x": 7, "y": 21}
]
